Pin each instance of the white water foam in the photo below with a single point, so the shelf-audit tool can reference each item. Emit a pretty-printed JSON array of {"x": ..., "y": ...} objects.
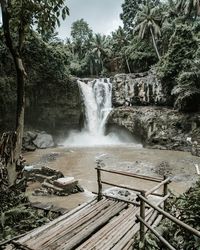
[{"x": 97, "y": 98}]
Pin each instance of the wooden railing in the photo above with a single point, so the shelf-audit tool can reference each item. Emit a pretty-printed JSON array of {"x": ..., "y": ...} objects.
[
  {"x": 161, "y": 182},
  {"x": 143, "y": 223},
  {"x": 144, "y": 202}
]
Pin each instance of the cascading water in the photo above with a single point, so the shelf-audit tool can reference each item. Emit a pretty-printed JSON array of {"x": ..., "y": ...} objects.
[{"x": 97, "y": 99}]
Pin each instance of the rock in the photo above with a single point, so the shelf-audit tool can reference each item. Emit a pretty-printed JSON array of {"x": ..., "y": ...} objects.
[
  {"x": 28, "y": 147},
  {"x": 43, "y": 140},
  {"x": 64, "y": 182},
  {"x": 137, "y": 89},
  {"x": 159, "y": 127},
  {"x": 41, "y": 173},
  {"x": 195, "y": 150},
  {"x": 33, "y": 140},
  {"x": 60, "y": 187},
  {"x": 163, "y": 169}
]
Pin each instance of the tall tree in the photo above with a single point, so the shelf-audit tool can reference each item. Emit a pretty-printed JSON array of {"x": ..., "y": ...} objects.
[
  {"x": 119, "y": 42},
  {"x": 148, "y": 21},
  {"x": 81, "y": 33},
  {"x": 130, "y": 9},
  {"x": 19, "y": 17},
  {"x": 100, "y": 49}
]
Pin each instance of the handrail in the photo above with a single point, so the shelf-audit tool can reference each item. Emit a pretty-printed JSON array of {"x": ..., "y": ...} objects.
[
  {"x": 144, "y": 177},
  {"x": 170, "y": 217},
  {"x": 166, "y": 181},
  {"x": 155, "y": 233},
  {"x": 128, "y": 188}
]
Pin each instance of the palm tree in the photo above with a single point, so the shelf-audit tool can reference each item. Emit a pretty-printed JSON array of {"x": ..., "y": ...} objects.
[
  {"x": 191, "y": 8},
  {"x": 119, "y": 41},
  {"x": 149, "y": 21},
  {"x": 100, "y": 48}
]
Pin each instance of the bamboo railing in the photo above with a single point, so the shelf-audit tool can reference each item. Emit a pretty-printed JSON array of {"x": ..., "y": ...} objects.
[
  {"x": 141, "y": 218},
  {"x": 144, "y": 202}
]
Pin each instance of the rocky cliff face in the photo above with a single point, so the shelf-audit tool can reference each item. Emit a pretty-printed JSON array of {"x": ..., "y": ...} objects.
[
  {"x": 158, "y": 127},
  {"x": 54, "y": 106},
  {"x": 50, "y": 106},
  {"x": 137, "y": 89}
]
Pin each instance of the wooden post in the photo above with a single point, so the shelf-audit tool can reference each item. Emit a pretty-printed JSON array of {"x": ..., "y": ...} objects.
[
  {"x": 165, "y": 192},
  {"x": 142, "y": 215},
  {"x": 100, "y": 195}
]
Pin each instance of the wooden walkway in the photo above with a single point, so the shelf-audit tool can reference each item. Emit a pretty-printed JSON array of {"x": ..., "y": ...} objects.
[{"x": 106, "y": 224}]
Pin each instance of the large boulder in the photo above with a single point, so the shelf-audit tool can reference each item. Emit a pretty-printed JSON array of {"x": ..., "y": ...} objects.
[
  {"x": 36, "y": 139},
  {"x": 43, "y": 140}
]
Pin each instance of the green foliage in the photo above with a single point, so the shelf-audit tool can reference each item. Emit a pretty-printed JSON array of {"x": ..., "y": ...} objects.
[
  {"x": 182, "y": 47},
  {"x": 44, "y": 15},
  {"x": 19, "y": 220},
  {"x": 187, "y": 91},
  {"x": 80, "y": 32},
  {"x": 148, "y": 21},
  {"x": 140, "y": 54},
  {"x": 186, "y": 208},
  {"x": 39, "y": 54},
  {"x": 189, "y": 8},
  {"x": 81, "y": 37},
  {"x": 130, "y": 9}
]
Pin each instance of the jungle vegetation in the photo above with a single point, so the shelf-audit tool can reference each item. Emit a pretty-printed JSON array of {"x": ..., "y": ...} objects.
[{"x": 162, "y": 36}]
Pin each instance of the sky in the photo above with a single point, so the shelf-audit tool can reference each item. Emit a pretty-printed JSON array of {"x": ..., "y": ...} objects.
[{"x": 101, "y": 15}]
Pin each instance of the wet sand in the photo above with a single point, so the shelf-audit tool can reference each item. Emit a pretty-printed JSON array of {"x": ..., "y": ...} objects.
[{"x": 80, "y": 163}]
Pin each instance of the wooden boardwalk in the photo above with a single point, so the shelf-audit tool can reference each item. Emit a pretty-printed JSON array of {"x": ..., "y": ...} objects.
[{"x": 107, "y": 224}]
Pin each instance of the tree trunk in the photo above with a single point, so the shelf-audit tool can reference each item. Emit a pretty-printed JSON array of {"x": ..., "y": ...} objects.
[
  {"x": 128, "y": 66},
  {"x": 102, "y": 66},
  {"x": 20, "y": 106},
  {"x": 154, "y": 43},
  {"x": 19, "y": 126},
  {"x": 91, "y": 68}
]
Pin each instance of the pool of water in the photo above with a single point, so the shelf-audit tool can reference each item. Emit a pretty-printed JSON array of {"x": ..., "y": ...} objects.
[{"x": 79, "y": 162}]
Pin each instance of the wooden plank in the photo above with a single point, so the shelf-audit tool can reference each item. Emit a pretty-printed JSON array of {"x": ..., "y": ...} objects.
[
  {"x": 77, "y": 239},
  {"x": 69, "y": 223},
  {"x": 75, "y": 228},
  {"x": 78, "y": 232},
  {"x": 157, "y": 221},
  {"x": 129, "y": 245},
  {"x": 143, "y": 177},
  {"x": 37, "y": 231},
  {"x": 152, "y": 218},
  {"x": 123, "y": 238},
  {"x": 113, "y": 225},
  {"x": 117, "y": 234}
]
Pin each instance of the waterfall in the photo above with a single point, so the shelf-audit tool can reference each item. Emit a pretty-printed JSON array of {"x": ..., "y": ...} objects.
[
  {"x": 97, "y": 96},
  {"x": 97, "y": 99}
]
